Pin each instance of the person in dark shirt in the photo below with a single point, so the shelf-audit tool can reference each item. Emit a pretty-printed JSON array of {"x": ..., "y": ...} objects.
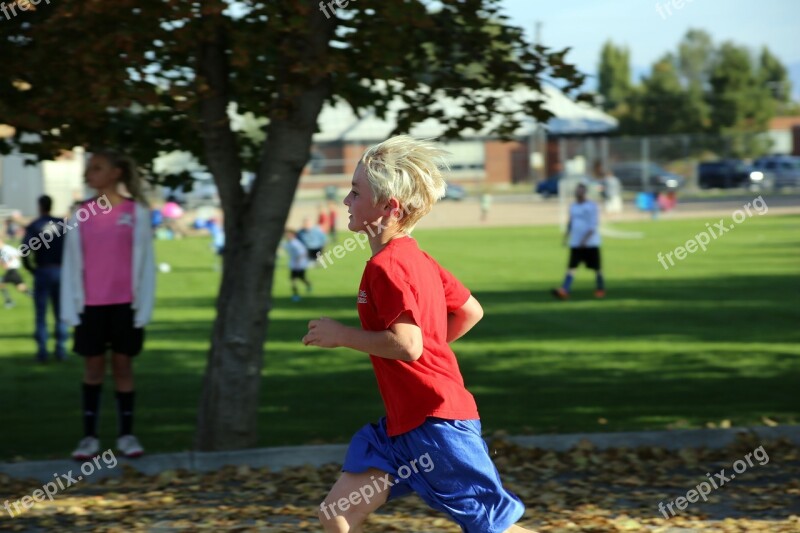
[{"x": 44, "y": 238}]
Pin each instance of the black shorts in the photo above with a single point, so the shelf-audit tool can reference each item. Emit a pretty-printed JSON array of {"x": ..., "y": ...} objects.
[
  {"x": 313, "y": 253},
  {"x": 297, "y": 274},
  {"x": 105, "y": 327},
  {"x": 589, "y": 256},
  {"x": 12, "y": 277}
]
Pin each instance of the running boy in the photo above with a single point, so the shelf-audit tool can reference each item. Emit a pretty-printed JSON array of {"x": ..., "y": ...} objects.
[
  {"x": 584, "y": 243},
  {"x": 411, "y": 309}
]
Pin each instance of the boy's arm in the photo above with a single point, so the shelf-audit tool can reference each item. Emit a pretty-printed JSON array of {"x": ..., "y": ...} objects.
[
  {"x": 460, "y": 321},
  {"x": 402, "y": 341},
  {"x": 26, "y": 257},
  {"x": 594, "y": 223}
]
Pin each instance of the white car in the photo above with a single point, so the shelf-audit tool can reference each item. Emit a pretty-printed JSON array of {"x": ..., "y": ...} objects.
[{"x": 785, "y": 168}]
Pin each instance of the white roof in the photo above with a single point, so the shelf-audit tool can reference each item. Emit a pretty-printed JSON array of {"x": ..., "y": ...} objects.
[{"x": 338, "y": 122}]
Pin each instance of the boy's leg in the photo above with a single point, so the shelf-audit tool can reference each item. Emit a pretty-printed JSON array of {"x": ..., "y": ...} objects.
[
  {"x": 575, "y": 258},
  {"x": 562, "y": 292},
  {"x": 40, "y": 296},
  {"x": 352, "y": 498},
  {"x": 6, "y": 296},
  {"x": 595, "y": 264},
  {"x": 60, "y": 327},
  {"x": 567, "y": 284},
  {"x": 517, "y": 529}
]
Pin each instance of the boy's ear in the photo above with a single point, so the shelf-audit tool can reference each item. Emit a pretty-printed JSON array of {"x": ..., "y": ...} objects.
[{"x": 392, "y": 204}]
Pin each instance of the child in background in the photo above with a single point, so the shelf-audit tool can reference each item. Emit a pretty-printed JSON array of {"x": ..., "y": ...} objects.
[
  {"x": 332, "y": 215},
  {"x": 583, "y": 232},
  {"x": 298, "y": 262},
  {"x": 322, "y": 218},
  {"x": 411, "y": 309},
  {"x": 10, "y": 260},
  {"x": 486, "y": 204},
  {"x": 108, "y": 291},
  {"x": 314, "y": 239}
]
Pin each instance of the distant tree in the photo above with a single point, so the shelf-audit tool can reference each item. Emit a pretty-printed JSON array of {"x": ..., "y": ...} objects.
[
  {"x": 695, "y": 59},
  {"x": 739, "y": 100},
  {"x": 775, "y": 77},
  {"x": 614, "y": 75},
  {"x": 703, "y": 88},
  {"x": 661, "y": 105}
]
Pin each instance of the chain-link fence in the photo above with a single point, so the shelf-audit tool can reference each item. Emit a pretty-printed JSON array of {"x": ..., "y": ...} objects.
[
  {"x": 658, "y": 162},
  {"x": 648, "y": 163}
]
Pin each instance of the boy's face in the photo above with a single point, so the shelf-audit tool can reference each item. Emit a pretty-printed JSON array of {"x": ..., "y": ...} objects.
[{"x": 359, "y": 203}]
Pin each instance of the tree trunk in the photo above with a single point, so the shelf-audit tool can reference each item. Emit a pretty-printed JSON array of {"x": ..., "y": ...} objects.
[{"x": 254, "y": 226}]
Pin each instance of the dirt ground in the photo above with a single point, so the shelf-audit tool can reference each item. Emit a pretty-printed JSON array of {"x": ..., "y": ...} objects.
[{"x": 581, "y": 490}]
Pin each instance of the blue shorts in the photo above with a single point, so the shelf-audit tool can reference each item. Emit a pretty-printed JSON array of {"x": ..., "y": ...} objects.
[{"x": 447, "y": 463}]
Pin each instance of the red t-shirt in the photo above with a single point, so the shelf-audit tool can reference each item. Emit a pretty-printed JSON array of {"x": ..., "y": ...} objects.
[{"x": 402, "y": 278}]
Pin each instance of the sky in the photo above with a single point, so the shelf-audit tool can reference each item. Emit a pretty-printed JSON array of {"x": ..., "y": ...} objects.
[{"x": 584, "y": 25}]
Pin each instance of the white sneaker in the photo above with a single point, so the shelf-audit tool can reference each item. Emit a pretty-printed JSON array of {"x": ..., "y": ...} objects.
[
  {"x": 129, "y": 446},
  {"x": 87, "y": 448}
]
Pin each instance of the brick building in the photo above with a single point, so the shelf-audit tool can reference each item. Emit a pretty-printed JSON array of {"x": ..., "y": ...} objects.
[{"x": 476, "y": 158}]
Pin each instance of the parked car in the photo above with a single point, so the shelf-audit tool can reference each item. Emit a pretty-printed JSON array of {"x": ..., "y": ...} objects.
[
  {"x": 454, "y": 192},
  {"x": 548, "y": 187},
  {"x": 631, "y": 175},
  {"x": 785, "y": 168},
  {"x": 730, "y": 173}
]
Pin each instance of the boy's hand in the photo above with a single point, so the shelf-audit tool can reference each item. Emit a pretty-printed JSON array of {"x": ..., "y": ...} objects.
[{"x": 324, "y": 333}]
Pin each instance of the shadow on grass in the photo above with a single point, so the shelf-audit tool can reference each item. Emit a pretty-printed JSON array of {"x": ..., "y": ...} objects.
[{"x": 534, "y": 364}]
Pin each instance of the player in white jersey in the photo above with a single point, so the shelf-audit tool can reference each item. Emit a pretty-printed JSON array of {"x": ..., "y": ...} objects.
[{"x": 583, "y": 233}]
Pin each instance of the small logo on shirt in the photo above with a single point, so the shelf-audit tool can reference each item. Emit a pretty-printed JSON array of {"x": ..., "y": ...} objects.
[
  {"x": 362, "y": 297},
  {"x": 125, "y": 219}
]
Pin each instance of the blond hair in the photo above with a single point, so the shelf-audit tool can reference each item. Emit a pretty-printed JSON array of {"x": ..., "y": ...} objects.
[
  {"x": 129, "y": 173},
  {"x": 408, "y": 170}
]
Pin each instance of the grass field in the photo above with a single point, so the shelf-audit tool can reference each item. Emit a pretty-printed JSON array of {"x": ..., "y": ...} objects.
[{"x": 714, "y": 338}]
